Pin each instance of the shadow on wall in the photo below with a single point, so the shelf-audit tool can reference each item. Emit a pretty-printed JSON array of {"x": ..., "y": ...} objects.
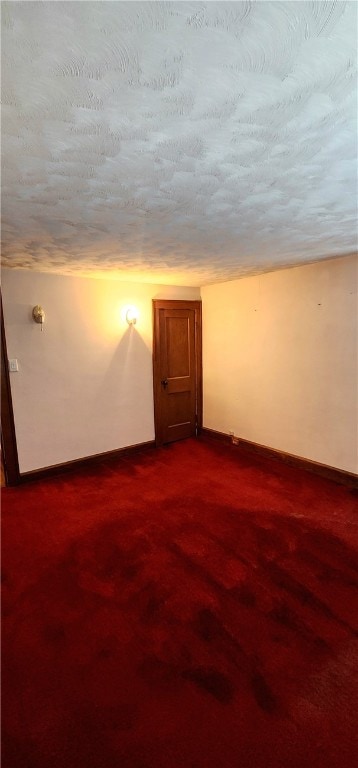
[{"x": 128, "y": 386}]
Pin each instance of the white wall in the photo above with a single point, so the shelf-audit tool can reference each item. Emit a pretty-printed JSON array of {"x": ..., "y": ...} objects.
[
  {"x": 84, "y": 384},
  {"x": 280, "y": 360}
]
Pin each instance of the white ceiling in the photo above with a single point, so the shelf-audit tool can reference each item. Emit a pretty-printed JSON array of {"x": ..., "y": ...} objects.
[{"x": 178, "y": 142}]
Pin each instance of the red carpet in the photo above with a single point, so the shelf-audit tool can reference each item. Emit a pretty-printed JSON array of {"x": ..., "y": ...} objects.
[{"x": 193, "y": 607}]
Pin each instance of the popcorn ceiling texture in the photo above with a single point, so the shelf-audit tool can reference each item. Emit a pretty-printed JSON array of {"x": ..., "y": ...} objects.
[{"x": 177, "y": 142}]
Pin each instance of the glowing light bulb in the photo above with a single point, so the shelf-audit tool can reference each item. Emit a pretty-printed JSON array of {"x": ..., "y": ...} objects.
[{"x": 131, "y": 315}]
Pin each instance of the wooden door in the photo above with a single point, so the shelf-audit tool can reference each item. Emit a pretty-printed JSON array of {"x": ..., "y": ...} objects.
[{"x": 177, "y": 370}]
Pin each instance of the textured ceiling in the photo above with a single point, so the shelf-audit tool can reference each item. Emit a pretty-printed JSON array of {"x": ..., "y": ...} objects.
[{"x": 177, "y": 142}]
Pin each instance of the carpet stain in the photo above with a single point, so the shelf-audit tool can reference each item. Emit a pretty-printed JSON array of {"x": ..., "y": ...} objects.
[
  {"x": 303, "y": 594},
  {"x": 207, "y": 625},
  {"x": 211, "y": 681},
  {"x": 130, "y": 571},
  {"x": 285, "y": 616},
  {"x": 263, "y": 693},
  {"x": 150, "y": 602}
]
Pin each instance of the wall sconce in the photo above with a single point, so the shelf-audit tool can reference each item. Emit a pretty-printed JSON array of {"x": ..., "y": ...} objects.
[
  {"x": 131, "y": 315},
  {"x": 38, "y": 315}
]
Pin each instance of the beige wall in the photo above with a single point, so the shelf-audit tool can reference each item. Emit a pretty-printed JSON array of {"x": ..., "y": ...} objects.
[
  {"x": 84, "y": 384},
  {"x": 280, "y": 360}
]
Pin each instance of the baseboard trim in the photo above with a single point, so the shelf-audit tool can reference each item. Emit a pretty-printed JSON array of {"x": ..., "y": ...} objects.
[
  {"x": 340, "y": 476},
  {"x": 86, "y": 462}
]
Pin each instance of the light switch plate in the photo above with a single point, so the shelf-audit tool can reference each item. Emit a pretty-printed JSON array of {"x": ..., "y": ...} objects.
[{"x": 13, "y": 365}]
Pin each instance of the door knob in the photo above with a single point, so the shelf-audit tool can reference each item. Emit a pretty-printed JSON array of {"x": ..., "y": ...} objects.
[{"x": 164, "y": 382}]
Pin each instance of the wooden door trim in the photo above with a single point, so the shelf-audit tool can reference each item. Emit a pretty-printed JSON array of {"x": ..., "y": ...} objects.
[
  {"x": 8, "y": 434},
  {"x": 177, "y": 304}
]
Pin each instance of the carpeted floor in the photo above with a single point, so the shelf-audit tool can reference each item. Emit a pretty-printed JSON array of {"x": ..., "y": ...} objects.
[{"x": 192, "y": 607}]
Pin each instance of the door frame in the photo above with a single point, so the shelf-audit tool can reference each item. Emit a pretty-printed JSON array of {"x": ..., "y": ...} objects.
[
  {"x": 157, "y": 389},
  {"x": 9, "y": 453}
]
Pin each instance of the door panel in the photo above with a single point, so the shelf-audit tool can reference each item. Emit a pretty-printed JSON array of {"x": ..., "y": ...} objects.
[
  {"x": 177, "y": 369},
  {"x": 178, "y": 408},
  {"x": 177, "y": 332}
]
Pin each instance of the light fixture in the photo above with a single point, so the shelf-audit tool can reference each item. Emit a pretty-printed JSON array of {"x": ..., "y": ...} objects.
[
  {"x": 131, "y": 315},
  {"x": 38, "y": 315}
]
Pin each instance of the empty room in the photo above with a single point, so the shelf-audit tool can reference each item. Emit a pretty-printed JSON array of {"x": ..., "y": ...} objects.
[{"x": 179, "y": 384}]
